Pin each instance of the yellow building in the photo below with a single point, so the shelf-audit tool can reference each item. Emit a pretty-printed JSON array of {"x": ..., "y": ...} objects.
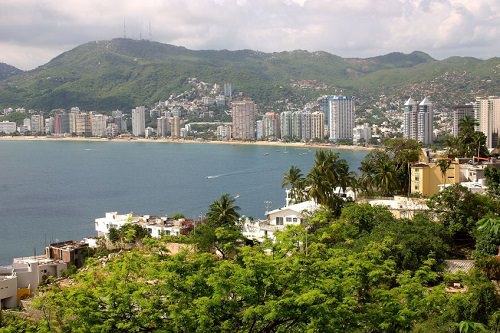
[{"x": 425, "y": 177}]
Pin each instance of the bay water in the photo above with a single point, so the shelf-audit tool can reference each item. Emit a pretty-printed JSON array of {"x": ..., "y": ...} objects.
[{"x": 54, "y": 190}]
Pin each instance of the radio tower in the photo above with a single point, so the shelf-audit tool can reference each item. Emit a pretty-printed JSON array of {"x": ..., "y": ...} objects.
[
  {"x": 124, "y": 29},
  {"x": 150, "y": 36}
]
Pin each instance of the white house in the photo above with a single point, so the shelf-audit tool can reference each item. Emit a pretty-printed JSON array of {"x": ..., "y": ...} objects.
[
  {"x": 8, "y": 291},
  {"x": 401, "y": 207},
  {"x": 157, "y": 226},
  {"x": 24, "y": 276},
  {"x": 277, "y": 220}
]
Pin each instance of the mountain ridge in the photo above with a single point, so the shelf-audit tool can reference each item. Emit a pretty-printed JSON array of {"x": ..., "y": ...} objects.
[{"x": 123, "y": 73}]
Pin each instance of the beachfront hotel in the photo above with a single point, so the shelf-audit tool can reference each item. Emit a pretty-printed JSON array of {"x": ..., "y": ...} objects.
[
  {"x": 244, "y": 115},
  {"x": 341, "y": 118}
]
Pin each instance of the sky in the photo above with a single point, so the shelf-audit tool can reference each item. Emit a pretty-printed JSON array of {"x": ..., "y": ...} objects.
[{"x": 32, "y": 32}]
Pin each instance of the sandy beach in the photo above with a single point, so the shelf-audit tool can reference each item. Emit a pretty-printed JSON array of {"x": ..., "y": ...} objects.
[{"x": 258, "y": 143}]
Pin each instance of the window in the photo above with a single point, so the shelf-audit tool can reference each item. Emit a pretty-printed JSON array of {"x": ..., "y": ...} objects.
[
  {"x": 279, "y": 220},
  {"x": 289, "y": 219},
  {"x": 294, "y": 219}
]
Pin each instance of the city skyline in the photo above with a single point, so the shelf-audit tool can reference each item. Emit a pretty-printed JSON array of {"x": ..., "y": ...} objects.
[{"x": 35, "y": 32}]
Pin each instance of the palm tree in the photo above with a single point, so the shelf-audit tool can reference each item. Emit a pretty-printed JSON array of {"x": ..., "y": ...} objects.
[
  {"x": 385, "y": 178},
  {"x": 466, "y": 137},
  {"x": 328, "y": 173},
  {"x": 444, "y": 164},
  {"x": 294, "y": 178},
  {"x": 223, "y": 212}
]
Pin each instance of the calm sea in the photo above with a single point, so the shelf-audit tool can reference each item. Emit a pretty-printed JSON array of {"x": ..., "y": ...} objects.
[{"x": 52, "y": 190}]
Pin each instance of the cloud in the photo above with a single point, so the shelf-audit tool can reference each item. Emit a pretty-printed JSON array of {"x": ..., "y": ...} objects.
[{"x": 33, "y": 31}]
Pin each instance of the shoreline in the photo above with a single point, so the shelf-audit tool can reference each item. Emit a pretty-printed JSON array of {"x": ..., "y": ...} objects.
[{"x": 131, "y": 139}]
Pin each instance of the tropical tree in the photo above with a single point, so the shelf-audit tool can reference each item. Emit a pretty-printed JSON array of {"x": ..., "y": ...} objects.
[
  {"x": 294, "y": 178},
  {"x": 221, "y": 232},
  {"x": 493, "y": 180},
  {"x": 458, "y": 210},
  {"x": 469, "y": 142},
  {"x": 444, "y": 164},
  {"x": 328, "y": 173},
  {"x": 379, "y": 174},
  {"x": 223, "y": 212},
  {"x": 403, "y": 152}
]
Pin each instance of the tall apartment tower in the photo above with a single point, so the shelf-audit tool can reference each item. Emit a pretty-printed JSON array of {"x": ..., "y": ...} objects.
[
  {"x": 98, "y": 124},
  {"x": 459, "y": 112},
  {"x": 487, "y": 114},
  {"x": 297, "y": 125},
  {"x": 317, "y": 125},
  {"x": 176, "y": 126},
  {"x": 341, "y": 110},
  {"x": 306, "y": 126},
  {"x": 228, "y": 90},
  {"x": 424, "y": 122},
  {"x": 324, "y": 103},
  {"x": 417, "y": 122},
  {"x": 37, "y": 124},
  {"x": 271, "y": 126},
  {"x": 162, "y": 127},
  {"x": 61, "y": 123},
  {"x": 139, "y": 121},
  {"x": 286, "y": 125},
  {"x": 259, "y": 129},
  {"x": 410, "y": 119},
  {"x": 244, "y": 115},
  {"x": 82, "y": 124}
]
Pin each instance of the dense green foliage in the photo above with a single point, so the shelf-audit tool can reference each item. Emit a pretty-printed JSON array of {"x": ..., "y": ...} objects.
[
  {"x": 387, "y": 172},
  {"x": 383, "y": 276},
  {"x": 327, "y": 179},
  {"x": 124, "y": 73},
  {"x": 469, "y": 142}
]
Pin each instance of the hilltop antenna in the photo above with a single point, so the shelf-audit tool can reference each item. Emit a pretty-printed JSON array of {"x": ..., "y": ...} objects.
[
  {"x": 150, "y": 36},
  {"x": 124, "y": 29}
]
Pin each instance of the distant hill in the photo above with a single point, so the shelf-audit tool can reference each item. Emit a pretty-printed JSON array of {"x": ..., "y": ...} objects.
[
  {"x": 7, "y": 71},
  {"x": 122, "y": 73}
]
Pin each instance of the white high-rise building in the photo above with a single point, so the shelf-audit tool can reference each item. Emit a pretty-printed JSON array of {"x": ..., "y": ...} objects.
[
  {"x": 98, "y": 124},
  {"x": 259, "y": 129},
  {"x": 341, "y": 118},
  {"x": 362, "y": 134},
  {"x": 487, "y": 114},
  {"x": 296, "y": 125},
  {"x": 7, "y": 127},
  {"x": 271, "y": 126},
  {"x": 223, "y": 132},
  {"x": 305, "y": 126},
  {"x": 410, "y": 119},
  {"x": 244, "y": 118},
  {"x": 417, "y": 121},
  {"x": 139, "y": 121},
  {"x": 424, "y": 122},
  {"x": 286, "y": 125},
  {"x": 27, "y": 123}
]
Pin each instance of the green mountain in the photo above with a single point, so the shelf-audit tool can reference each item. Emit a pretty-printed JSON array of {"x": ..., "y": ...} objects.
[
  {"x": 7, "y": 71},
  {"x": 123, "y": 73}
]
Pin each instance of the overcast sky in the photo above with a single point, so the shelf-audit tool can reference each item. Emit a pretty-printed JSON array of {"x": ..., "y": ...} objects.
[{"x": 34, "y": 31}]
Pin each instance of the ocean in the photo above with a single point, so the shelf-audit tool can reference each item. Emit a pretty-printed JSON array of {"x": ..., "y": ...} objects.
[{"x": 54, "y": 190}]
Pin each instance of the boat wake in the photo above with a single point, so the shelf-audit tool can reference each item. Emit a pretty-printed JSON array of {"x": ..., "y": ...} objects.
[{"x": 229, "y": 173}]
